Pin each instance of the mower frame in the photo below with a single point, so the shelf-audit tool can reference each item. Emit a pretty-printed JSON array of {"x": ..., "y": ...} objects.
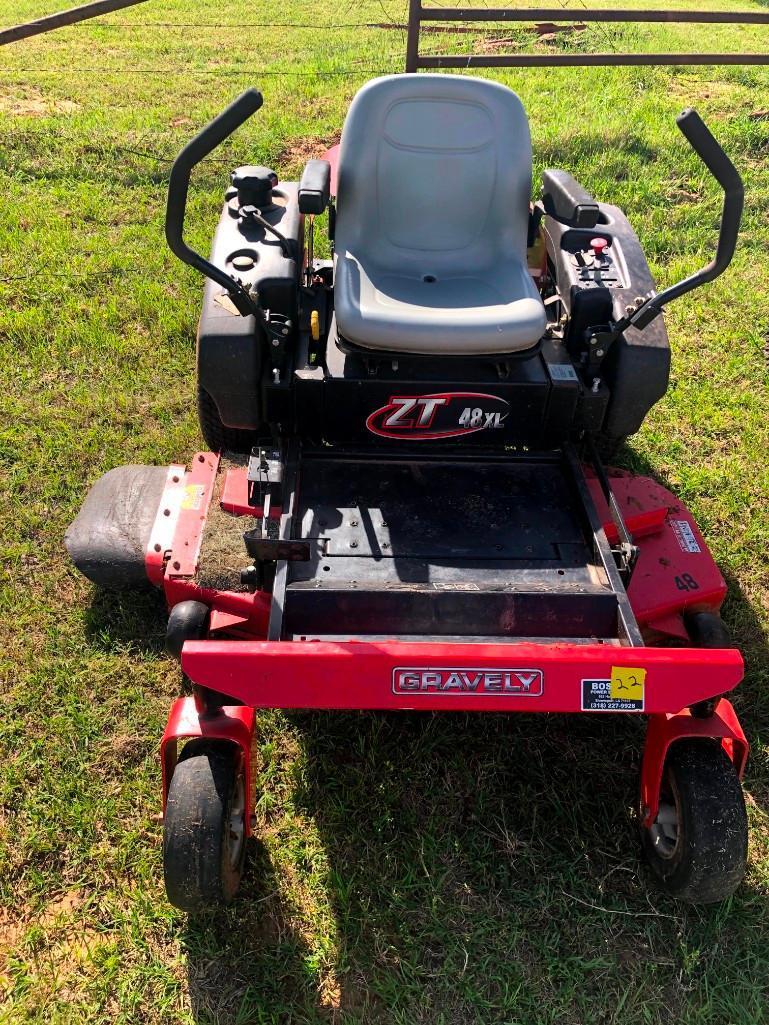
[{"x": 245, "y": 663}]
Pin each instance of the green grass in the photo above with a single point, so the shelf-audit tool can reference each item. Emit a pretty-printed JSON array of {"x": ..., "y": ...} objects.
[{"x": 409, "y": 869}]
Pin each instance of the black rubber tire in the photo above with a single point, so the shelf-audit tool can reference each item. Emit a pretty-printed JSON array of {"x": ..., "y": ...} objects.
[
  {"x": 707, "y": 630},
  {"x": 708, "y": 861},
  {"x": 610, "y": 448},
  {"x": 217, "y": 437},
  {"x": 197, "y": 865},
  {"x": 187, "y": 621}
]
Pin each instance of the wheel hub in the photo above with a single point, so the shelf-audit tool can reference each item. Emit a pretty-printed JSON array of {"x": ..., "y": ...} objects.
[
  {"x": 237, "y": 823},
  {"x": 664, "y": 830}
]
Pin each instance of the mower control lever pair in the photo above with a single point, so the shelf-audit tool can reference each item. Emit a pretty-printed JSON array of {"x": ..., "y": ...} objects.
[{"x": 689, "y": 122}]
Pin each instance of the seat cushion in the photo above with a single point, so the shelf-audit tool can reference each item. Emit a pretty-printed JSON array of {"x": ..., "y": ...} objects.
[
  {"x": 433, "y": 209},
  {"x": 454, "y": 315}
]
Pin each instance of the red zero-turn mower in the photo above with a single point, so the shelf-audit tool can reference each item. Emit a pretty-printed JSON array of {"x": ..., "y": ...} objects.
[{"x": 403, "y": 503}]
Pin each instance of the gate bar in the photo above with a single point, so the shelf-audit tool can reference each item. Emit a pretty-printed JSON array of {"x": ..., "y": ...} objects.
[
  {"x": 577, "y": 14},
  {"x": 594, "y": 60},
  {"x": 419, "y": 14},
  {"x": 70, "y": 17}
]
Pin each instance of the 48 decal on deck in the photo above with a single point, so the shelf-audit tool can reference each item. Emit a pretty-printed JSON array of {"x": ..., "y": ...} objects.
[{"x": 438, "y": 415}]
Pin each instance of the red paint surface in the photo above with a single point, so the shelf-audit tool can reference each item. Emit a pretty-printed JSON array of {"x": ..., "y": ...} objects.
[
  {"x": 235, "y": 495},
  {"x": 332, "y": 155},
  {"x": 660, "y": 588},
  {"x": 234, "y": 723},
  {"x": 359, "y": 674},
  {"x": 664, "y": 730}
]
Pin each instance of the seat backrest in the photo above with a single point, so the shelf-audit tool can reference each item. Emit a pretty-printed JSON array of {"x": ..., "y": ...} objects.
[{"x": 438, "y": 164}]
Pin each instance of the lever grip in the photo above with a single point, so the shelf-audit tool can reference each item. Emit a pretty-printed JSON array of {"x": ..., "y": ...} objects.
[
  {"x": 705, "y": 145},
  {"x": 707, "y": 148},
  {"x": 204, "y": 142},
  {"x": 222, "y": 126}
]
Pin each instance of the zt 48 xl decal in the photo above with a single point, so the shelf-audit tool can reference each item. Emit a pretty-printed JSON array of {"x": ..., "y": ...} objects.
[{"x": 440, "y": 415}]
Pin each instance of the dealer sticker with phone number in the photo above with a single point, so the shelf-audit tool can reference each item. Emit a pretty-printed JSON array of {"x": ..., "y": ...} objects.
[{"x": 623, "y": 692}]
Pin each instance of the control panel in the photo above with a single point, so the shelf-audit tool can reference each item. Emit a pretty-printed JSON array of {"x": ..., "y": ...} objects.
[{"x": 596, "y": 265}]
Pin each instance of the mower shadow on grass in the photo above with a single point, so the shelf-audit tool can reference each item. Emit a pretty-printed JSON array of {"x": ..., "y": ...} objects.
[
  {"x": 127, "y": 620},
  {"x": 431, "y": 836},
  {"x": 751, "y": 699},
  {"x": 467, "y": 862}
]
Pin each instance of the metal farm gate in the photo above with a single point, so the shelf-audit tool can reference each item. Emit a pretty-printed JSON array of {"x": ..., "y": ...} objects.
[{"x": 418, "y": 15}]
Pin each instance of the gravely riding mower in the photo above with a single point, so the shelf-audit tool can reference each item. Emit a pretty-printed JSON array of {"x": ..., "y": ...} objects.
[{"x": 403, "y": 503}]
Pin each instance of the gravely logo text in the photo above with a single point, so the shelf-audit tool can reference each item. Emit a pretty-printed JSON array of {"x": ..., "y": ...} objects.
[{"x": 500, "y": 682}]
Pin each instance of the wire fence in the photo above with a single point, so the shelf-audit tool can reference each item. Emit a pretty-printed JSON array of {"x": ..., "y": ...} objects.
[
  {"x": 384, "y": 21},
  {"x": 224, "y": 72},
  {"x": 391, "y": 62}
]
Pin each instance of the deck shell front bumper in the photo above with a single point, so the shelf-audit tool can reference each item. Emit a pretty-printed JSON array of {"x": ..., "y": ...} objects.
[{"x": 360, "y": 674}]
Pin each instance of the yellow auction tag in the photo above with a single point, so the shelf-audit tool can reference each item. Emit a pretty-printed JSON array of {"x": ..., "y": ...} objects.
[{"x": 627, "y": 684}]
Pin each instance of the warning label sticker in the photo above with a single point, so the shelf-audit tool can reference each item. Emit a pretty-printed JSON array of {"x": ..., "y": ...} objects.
[
  {"x": 623, "y": 692},
  {"x": 685, "y": 536},
  {"x": 193, "y": 496},
  {"x": 562, "y": 372}
]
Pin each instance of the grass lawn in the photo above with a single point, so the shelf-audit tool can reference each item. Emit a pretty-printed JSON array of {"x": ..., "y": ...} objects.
[{"x": 408, "y": 869}]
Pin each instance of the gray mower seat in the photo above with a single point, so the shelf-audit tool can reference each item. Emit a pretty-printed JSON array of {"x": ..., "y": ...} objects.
[{"x": 433, "y": 207}]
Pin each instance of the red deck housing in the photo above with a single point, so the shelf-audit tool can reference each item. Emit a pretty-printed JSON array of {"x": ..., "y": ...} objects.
[{"x": 675, "y": 572}]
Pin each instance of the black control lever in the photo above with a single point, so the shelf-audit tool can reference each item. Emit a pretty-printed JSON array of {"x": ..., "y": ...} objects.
[
  {"x": 723, "y": 170},
  {"x": 204, "y": 142}
]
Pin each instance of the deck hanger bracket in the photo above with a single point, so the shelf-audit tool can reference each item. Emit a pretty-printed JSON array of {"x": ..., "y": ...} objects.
[{"x": 625, "y": 551}]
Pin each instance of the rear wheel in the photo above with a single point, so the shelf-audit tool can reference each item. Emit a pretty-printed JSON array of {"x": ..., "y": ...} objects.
[
  {"x": 204, "y": 830},
  {"x": 610, "y": 448},
  {"x": 218, "y": 437},
  {"x": 697, "y": 845}
]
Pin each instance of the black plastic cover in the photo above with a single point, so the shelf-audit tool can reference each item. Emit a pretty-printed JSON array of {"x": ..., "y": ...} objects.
[
  {"x": 315, "y": 187},
  {"x": 107, "y": 540},
  {"x": 230, "y": 348},
  {"x": 254, "y": 184},
  {"x": 637, "y": 368},
  {"x": 566, "y": 200}
]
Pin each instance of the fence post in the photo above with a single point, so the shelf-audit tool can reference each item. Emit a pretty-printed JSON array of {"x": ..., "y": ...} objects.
[{"x": 412, "y": 40}]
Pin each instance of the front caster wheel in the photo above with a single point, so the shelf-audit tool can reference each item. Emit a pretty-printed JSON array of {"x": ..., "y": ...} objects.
[
  {"x": 204, "y": 830},
  {"x": 697, "y": 846}
]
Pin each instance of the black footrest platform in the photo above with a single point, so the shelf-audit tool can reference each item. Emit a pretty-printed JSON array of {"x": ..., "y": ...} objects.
[{"x": 445, "y": 545}]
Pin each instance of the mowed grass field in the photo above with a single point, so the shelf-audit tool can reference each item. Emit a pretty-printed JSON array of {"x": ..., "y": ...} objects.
[{"x": 408, "y": 869}]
